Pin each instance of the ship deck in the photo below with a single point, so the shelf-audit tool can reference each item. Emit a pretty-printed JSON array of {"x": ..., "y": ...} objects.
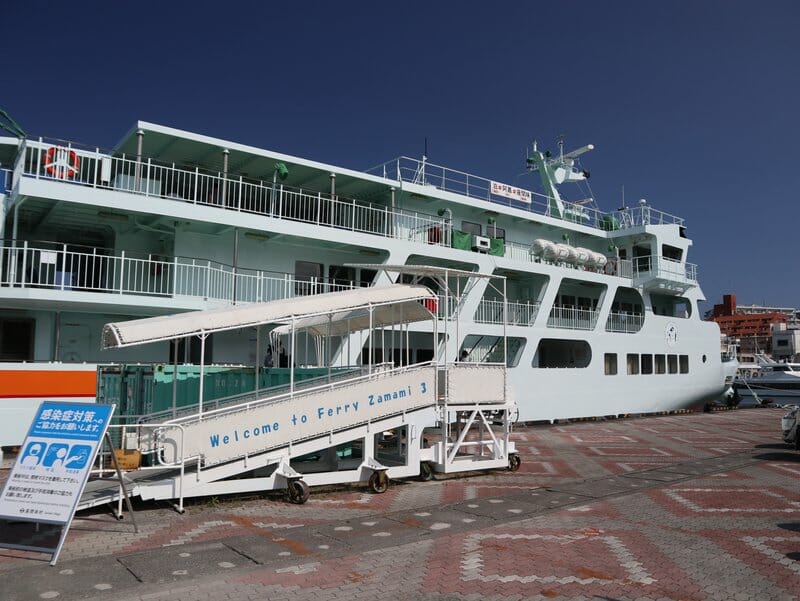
[{"x": 695, "y": 505}]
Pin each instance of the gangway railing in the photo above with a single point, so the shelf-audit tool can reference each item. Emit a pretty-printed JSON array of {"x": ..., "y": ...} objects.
[{"x": 247, "y": 397}]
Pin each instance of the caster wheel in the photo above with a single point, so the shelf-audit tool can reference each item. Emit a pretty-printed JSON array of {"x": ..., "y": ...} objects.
[
  {"x": 514, "y": 462},
  {"x": 378, "y": 482},
  {"x": 425, "y": 471},
  {"x": 298, "y": 492}
]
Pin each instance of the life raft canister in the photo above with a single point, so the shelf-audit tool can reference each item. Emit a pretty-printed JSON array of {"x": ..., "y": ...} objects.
[{"x": 61, "y": 162}]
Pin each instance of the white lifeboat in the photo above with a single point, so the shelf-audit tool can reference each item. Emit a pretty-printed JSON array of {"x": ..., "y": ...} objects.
[
  {"x": 583, "y": 256},
  {"x": 540, "y": 246}
]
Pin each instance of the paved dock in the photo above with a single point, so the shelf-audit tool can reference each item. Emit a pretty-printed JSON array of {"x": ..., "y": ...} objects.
[{"x": 677, "y": 507}]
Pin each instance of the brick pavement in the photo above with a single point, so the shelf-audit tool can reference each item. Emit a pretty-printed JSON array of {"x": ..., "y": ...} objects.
[{"x": 689, "y": 507}]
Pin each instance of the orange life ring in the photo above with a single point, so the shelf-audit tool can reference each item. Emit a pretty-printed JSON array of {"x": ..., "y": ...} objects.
[{"x": 61, "y": 162}]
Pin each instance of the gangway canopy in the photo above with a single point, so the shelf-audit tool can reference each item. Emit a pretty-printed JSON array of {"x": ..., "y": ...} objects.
[{"x": 390, "y": 305}]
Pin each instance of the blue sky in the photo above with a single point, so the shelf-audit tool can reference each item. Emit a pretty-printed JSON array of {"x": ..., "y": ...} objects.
[{"x": 690, "y": 104}]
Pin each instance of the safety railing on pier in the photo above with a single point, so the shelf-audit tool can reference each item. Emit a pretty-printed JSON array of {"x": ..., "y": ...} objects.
[
  {"x": 518, "y": 314},
  {"x": 572, "y": 318},
  {"x": 423, "y": 173},
  {"x": 628, "y": 323}
]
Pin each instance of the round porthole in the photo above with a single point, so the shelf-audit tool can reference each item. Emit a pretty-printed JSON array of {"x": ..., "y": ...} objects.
[{"x": 704, "y": 358}]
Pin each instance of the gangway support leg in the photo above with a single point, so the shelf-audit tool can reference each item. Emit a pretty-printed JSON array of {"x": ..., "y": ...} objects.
[
  {"x": 378, "y": 480},
  {"x": 297, "y": 491}
]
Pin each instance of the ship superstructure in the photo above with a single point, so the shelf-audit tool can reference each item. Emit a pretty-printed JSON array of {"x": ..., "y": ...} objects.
[{"x": 601, "y": 310}]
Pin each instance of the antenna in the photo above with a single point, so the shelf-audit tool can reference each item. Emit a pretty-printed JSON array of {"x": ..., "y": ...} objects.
[
  {"x": 425, "y": 154},
  {"x": 623, "y": 196}
]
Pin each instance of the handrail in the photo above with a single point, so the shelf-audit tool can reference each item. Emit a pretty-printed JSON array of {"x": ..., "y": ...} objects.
[
  {"x": 572, "y": 318},
  {"x": 491, "y": 311},
  {"x": 627, "y": 323},
  {"x": 423, "y": 173},
  {"x": 232, "y": 192},
  {"x": 290, "y": 395},
  {"x": 657, "y": 266}
]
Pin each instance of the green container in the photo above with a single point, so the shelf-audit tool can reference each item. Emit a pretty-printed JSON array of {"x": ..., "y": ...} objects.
[
  {"x": 497, "y": 247},
  {"x": 609, "y": 223},
  {"x": 461, "y": 240}
]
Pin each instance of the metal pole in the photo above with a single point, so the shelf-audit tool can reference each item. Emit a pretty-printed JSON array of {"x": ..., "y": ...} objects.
[
  {"x": 202, "y": 369},
  {"x": 224, "y": 195},
  {"x": 174, "y": 377},
  {"x": 139, "y": 145},
  {"x": 258, "y": 358}
]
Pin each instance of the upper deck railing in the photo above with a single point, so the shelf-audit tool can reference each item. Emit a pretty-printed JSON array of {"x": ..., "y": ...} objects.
[
  {"x": 424, "y": 173},
  {"x": 56, "y": 266},
  {"x": 79, "y": 166},
  {"x": 98, "y": 170}
]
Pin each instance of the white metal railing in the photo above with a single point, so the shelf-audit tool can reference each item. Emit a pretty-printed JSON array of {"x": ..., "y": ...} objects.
[
  {"x": 519, "y": 314},
  {"x": 98, "y": 170},
  {"x": 657, "y": 267},
  {"x": 572, "y": 318},
  {"x": 57, "y": 267},
  {"x": 628, "y": 323},
  {"x": 424, "y": 173}
]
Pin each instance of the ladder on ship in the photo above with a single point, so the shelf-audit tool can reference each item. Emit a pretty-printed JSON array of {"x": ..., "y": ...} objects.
[{"x": 388, "y": 422}]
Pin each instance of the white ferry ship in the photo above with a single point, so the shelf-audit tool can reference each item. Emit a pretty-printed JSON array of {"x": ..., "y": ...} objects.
[{"x": 600, "y": 310}]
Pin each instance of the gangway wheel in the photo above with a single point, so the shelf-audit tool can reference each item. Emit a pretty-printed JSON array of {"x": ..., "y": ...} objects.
[
  {"x": 514, "y": 462},
  {"x": 298, "y": 492},
  {"x": 378, "y": 482}
]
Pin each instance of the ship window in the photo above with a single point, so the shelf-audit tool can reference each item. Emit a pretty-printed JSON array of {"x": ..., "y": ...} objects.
[
  {"x": 471, "y": 228},
  {"x": 366, "y": 277},
  {"x": 671, "y": 252},
  {"x": 684, "y": 362},
  {"x": 611, "y": 364},
  {"x": 671, "y": 306},
  {"x": 661, "y": 364},
  {"x": 340, "y": 277},
  {"x": 554, "y": 352},
  {"x": 633, "y": 364},
  {"x": 489, "y": 349},
  {"x": 672, "y": 364},
  {"x": 307, "y": 276},
  {"x": 495, "y": 232},
  {"x": 647, "y": 364},
  {"x": 783, "y": 342},
  {"x": 16, "y": 339}
]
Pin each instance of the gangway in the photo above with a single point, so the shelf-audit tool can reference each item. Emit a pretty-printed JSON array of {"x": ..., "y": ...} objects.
[{"x": 381, "y": 422}]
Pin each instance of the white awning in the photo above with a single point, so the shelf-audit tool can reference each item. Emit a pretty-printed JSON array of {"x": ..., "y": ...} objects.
[{"x": 349, "y": 310}]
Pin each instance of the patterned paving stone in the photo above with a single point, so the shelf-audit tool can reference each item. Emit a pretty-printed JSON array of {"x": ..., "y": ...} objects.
[
  {"x": 183, "y": 563},
  {"x": 713, "y": 515}
]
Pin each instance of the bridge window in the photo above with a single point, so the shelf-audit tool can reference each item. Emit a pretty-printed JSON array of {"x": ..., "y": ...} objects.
[
  {"x": 661, "y": 364},
  {"x": 633, "y": 364},
  {"x": 684, "y": 363},
  {"x": 647, "y": 364}
]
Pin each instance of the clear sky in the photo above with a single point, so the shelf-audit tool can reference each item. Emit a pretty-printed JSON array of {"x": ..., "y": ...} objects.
[{"x": 690, "y": 104}]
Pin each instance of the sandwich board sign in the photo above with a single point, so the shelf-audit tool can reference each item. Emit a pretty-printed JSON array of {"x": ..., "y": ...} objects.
[{"x": 45, "y": 485}]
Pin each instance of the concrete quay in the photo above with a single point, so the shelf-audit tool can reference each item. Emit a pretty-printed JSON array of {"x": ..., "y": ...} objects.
[{"x": 699, "y": 506}]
